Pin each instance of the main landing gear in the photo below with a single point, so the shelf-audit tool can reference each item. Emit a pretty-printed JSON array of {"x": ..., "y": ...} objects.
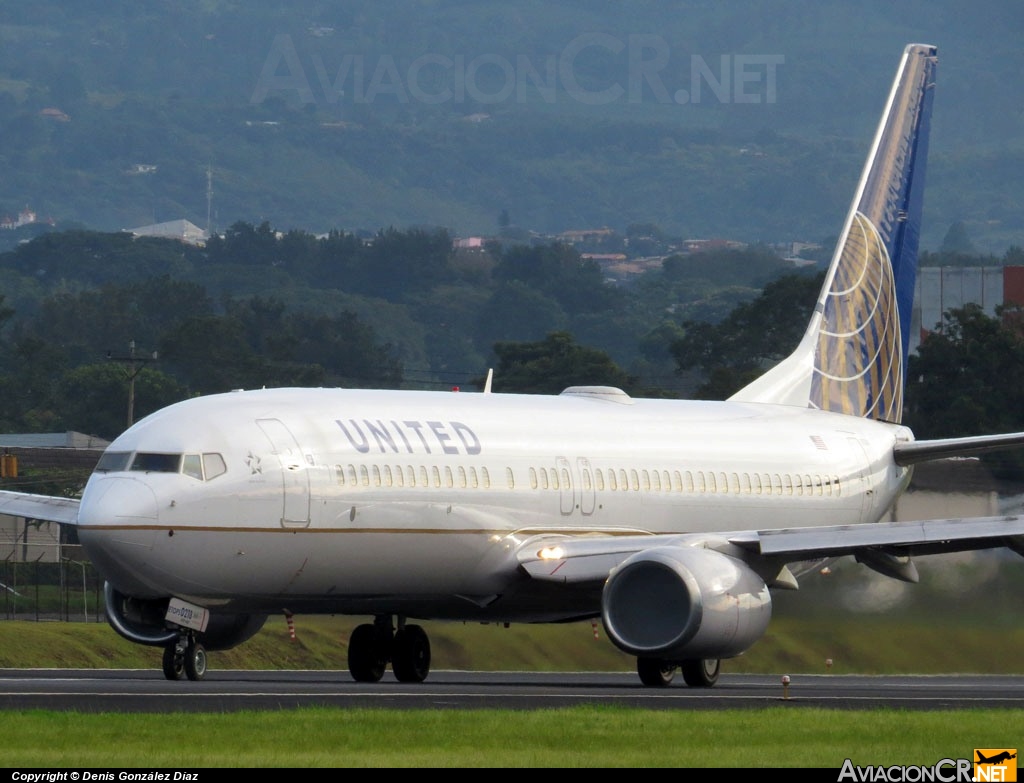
[
  {"x": 373, "y": 645},
  {"x": 697, "y": 672},
  {"x": 185, "y": 657}
]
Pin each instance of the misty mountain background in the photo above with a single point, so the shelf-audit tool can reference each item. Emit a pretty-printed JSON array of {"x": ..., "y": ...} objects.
[{"x": 745, "y": 120}]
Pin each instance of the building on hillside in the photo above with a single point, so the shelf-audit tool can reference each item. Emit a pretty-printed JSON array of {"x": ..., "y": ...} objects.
[
  {"x": 698, "y": 245},
  {"x": 182, "y": 230},
  {"x": 939, "y": 289},
  {"x": 25, "y": 217}
]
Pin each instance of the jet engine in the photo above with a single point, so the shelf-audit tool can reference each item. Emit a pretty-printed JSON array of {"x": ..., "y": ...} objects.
[
  {"x": 142, "y": 621},
  {"x": 679, "y": 603}
]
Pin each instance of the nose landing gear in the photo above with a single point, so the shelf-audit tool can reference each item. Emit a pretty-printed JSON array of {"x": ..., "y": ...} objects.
[{"x": 185, "y": 657}]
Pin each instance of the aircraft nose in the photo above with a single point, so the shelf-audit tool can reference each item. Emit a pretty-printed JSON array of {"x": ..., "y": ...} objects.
[
  {"x": 116, "y": 502},
  {"x": 117, "y": 521}
]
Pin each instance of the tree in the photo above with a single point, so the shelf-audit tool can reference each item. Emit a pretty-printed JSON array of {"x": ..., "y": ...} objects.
[
  {"x": 967, "y": 378},
  {"x": 554, "y": 363},
  {"x": 755, "y": 336},
  {"x": 93, "y": 398}
]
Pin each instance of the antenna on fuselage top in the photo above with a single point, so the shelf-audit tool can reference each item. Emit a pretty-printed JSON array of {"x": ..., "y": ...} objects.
[{"x": 487, "y": 383}]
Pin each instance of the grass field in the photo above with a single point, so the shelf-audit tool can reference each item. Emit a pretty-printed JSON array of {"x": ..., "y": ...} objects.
[
  {"x": 590, "y": 737},
  {"x": 974, "y": 628}
]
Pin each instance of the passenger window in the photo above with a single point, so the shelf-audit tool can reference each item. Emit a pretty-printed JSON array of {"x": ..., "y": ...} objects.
[
  {"x": 510, "y": 478},
  {"x": 486, "y": 478},
  {"x": 376, "y": 476},
  {"x": 533, "y": 478}
]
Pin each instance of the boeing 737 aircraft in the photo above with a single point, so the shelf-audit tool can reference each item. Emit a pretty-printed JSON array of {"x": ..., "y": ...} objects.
[{"x": 671, "y": 520}]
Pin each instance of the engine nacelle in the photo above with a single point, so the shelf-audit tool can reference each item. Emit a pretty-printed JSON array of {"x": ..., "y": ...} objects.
[
  {"x": 142, "y": 621},
  {"x": 679, "y": 603}
]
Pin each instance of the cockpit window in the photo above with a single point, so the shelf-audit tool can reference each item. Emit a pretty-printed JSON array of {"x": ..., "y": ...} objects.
[
  {"x": 214, "y": 465},
  {"x": 156, "y": 463},
  {"x": 192, "y": 465},
  {"x": 113, "y": 461}
]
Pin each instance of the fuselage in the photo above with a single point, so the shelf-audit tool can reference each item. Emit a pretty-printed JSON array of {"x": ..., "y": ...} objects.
[{"x": 349, "y": 501}]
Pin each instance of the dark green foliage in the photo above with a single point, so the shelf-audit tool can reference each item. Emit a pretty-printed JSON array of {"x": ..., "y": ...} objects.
[
  {"x": 94, "y": 397},
  {"x": 967, "y": 378},
  {"x": 755, "y": 335},
  {"x": 550, "y": 365}
]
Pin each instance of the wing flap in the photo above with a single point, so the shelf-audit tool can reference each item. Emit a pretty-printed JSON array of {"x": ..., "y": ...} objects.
[
  {"x": 45, "y": 507},
  {"x": 569, "y": 560},
  {"x": 933, "y": 536}
]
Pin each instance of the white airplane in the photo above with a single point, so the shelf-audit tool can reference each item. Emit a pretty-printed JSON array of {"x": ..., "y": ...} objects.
[{"x": 671, "y": 520}]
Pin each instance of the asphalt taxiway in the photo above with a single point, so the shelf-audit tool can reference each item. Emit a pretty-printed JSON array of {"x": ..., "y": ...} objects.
[{"x": 132, "y": 690}]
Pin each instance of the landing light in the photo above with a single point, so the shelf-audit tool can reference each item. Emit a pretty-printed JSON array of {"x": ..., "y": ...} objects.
[{"x": 551, "y": 553}]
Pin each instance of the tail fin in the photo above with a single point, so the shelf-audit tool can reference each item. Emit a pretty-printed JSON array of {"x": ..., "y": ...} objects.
[{"x": 852, "y": 358}]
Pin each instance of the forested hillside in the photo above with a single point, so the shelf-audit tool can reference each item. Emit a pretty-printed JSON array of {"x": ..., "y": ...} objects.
[
  {"x": 84, "y": 315},
  {"x": 748, "y": 121}
]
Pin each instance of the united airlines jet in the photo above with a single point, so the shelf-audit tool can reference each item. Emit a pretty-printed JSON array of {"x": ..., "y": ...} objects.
[{"x": 673, "y": 521}]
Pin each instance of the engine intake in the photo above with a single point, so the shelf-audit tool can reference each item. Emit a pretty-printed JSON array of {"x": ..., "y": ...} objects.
[
  {"x": 678, "y": 603},
  {"x": 142, "y": 621}
]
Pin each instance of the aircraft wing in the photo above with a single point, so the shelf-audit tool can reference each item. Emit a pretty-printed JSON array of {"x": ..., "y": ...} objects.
[
  {"x": 591, "y": 559},
  {"x": 45, "y": 507}
]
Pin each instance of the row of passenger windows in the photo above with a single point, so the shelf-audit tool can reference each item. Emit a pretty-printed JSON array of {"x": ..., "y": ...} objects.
[
  {"x": 676, "y": 481},
  {"x": 386, "y": 476}
]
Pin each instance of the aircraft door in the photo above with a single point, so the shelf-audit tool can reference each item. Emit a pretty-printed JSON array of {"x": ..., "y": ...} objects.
[
  {"x": 294, "y": 476},
  {"x": 588, "y": 493},
  {"x": 860, "y": 477},
  {"x": 566, "y": 486}
]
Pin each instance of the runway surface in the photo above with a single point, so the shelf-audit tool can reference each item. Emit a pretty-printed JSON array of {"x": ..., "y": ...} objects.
[{"x": 131, "y": 690}]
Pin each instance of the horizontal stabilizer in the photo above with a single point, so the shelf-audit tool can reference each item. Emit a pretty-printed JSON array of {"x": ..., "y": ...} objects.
[{"x": 911, "y": 452}]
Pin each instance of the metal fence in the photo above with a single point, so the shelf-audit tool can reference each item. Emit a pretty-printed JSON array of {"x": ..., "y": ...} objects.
[{"x": 44, "y": 576}]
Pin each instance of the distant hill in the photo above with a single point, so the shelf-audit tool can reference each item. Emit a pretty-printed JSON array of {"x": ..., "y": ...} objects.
[{"x": 745, "y": 121}]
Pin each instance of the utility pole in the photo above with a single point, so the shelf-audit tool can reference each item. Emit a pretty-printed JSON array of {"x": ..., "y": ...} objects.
[{"x": 133, "y": 366}]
